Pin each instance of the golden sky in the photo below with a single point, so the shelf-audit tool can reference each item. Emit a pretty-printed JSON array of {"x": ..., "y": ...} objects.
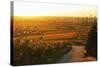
[{"x": 51, "y": 9}]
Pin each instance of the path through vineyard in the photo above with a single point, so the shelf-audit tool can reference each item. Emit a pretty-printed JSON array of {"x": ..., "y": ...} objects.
[{"x": 75, "y": 55}]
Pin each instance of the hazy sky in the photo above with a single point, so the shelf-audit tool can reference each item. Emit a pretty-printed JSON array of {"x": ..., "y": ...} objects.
[{"x": 50, "y": 9}]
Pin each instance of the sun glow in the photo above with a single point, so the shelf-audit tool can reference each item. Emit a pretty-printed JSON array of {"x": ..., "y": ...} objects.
[{"x": 49, "y": 9}]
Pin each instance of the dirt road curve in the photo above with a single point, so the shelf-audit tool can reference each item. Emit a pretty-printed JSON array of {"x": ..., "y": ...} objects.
[{"x": 75, "y": 55}]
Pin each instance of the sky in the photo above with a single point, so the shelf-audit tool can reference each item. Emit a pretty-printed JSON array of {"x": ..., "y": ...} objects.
[{"x": 51, "y": 9}]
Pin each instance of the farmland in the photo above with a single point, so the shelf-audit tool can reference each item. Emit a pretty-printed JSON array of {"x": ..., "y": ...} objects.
[{"x": 41, "y": 40}]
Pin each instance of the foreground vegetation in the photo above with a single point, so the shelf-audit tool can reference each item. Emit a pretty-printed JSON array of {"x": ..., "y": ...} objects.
[{"x": 39, "y": 53}]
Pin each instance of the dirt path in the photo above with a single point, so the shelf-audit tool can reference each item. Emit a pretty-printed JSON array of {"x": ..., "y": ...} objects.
[{"x": 75, "y": 55}]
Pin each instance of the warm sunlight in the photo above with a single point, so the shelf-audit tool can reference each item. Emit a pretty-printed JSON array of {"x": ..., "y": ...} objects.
[{"x": 49, "y": 9}]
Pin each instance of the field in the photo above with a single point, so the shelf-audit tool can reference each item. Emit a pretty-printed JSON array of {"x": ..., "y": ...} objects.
[{"x": 45, "y": 39}]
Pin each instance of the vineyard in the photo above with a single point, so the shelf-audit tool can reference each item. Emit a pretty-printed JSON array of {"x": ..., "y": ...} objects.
[{"x": 44, "y": 40}]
